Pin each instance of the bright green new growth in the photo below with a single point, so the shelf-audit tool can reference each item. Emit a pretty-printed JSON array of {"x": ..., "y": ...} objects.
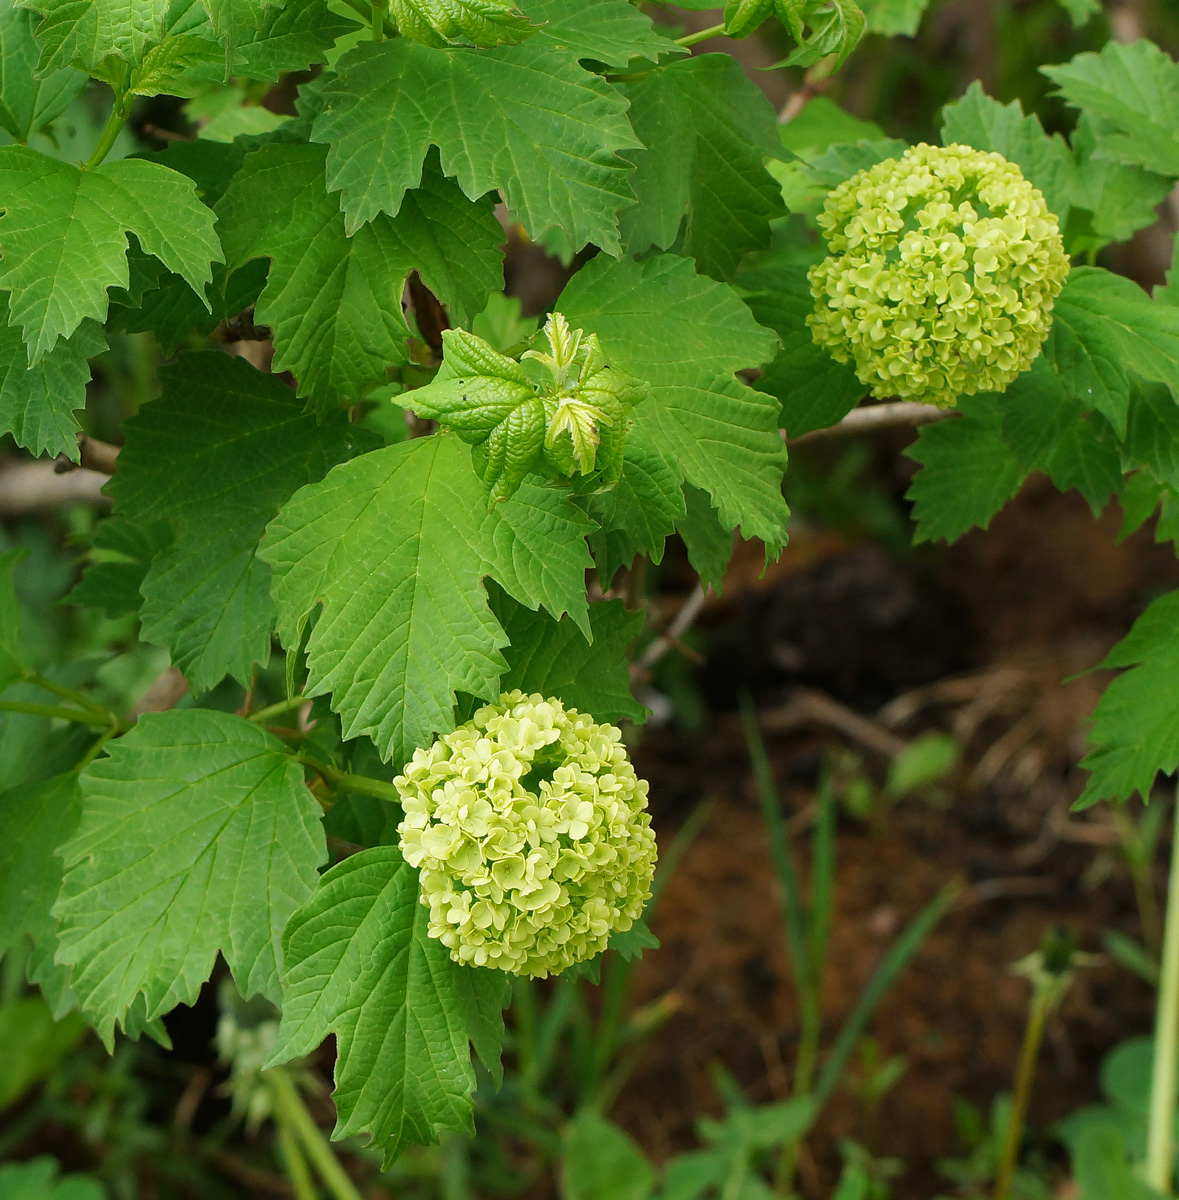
[
  {"x": 529, "y": 827},
  {"x": 943, "y": 268},
  {"x": 570, "y": 425},
  {"x": 469, "y": 22}
]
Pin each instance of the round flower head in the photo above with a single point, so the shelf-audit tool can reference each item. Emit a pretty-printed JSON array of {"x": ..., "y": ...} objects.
[
  {"x": 529, "y": 829},
  {"x": 943, "y": 268}
]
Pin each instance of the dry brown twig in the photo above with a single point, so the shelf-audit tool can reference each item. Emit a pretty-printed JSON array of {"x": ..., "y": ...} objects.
[{"x": 895, "y": 415}]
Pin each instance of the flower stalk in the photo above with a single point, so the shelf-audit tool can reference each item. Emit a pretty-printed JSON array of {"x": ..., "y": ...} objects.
[{"x": 1160, "y": 1141}]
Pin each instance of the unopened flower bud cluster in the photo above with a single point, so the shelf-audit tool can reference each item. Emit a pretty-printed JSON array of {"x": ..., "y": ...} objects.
[
  {"x": 529, "y": 829},
  {"x": 943, "y": 268}
]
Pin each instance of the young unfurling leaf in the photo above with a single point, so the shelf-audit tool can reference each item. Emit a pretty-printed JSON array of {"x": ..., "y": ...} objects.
[
  {"x": 573, "y": 425},
  {"x": 466, "y": 22}
]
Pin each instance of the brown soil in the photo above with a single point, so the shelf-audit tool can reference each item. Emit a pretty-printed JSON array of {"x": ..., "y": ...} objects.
[{"x": 1039, "y": 597}]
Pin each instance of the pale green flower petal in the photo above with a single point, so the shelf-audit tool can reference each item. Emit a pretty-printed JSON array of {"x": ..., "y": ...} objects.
[{"x": 529, "y": 829}]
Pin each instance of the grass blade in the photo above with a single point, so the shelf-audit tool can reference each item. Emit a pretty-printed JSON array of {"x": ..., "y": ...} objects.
[
  {"x": 793, "y": 913},
  {"x": 903, "y": 950}
]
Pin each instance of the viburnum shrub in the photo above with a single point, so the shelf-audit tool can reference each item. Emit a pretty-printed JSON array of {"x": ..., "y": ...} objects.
[{"x": 362, "y": 501}]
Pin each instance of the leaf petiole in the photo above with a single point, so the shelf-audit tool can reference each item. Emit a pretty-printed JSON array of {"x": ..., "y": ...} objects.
[
  {"x": 368, "y": 11},
  {"x": 71, "y": 694},
  {"x": 701, "y": 35},
  {"x": 55, "y": 712},
  {"x": 277, "y": 710},
  {"x": 110, "y": 132},
  {"x": 362, "y": 785}
]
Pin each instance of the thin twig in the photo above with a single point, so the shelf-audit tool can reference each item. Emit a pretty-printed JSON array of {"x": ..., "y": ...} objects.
[
  {"x": 98, "y": 456},
  {"x": 809, "y": 707},
  {"x": 680, "y": 624},
  {"x": 32, "y": 487},
  {"x": 876, "y": 416}
]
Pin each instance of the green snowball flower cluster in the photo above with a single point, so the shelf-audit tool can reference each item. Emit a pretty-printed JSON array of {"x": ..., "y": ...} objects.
[
  {"x": 943, "y": 268},
  {"x": 529, "y": 828}
]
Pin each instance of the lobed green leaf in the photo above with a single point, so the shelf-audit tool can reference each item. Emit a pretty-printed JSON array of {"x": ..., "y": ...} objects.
[
  {"x": 360, "y": 964},
  {"x": 196, "y": 834},
  {"x": 214, "y": 458},
  {"x": 527, "y": 120},
  {"x": 686, "y": 336},
  {"x": 63, "y": 237}
]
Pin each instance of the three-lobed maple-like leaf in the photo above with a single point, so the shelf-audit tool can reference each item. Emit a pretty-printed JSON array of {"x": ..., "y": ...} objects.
[
  {"x": 82, "y": 33},
  {"x": 359, "y": 964},
  {"x": 1102, "y": 326},
  {"x": 333, "y": 301},
  {"x": 196, "y": 834},
  {"x": 702, "y": 177},
  {"x": 1135, "y": 732},
  {"x": 640, "y": 511},
  {"x": 63, "y": 237},
  {"x": 393, "y": 546},
  {"x": 29, "y": 103},
  {"x": 977, "y": 120},
  {"x": 1135, "y": 90},
  {"x": 527, "y": 120},
  {"x": 36, "y": 818},
  {"x": 213, "y": 458},
  {"x": 555, "y": 658},
  {"x": 37, "y": 404},
  {"x": 821, "y": 28},
  {"x": 814, "y": 390},
  {"x": 1121, "y": 199},
  {"x": 967, "y": 474},
  {"x": 606, "y": 31},
  {"x": 1046, "y": 429},
  {"x": 686, "y": 335}
]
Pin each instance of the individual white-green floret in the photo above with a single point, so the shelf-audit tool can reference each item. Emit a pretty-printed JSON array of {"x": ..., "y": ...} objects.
[
  {"x": 943, "y": 268},
  {"x": 529, "y": 829}
]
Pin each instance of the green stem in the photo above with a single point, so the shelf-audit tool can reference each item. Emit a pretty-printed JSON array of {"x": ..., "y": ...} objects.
[
  {"x": 54, "y": 712},
  {"x": 362, "y": 785},
  {"x": 365, "y": 10},
  {"x": 1033, "y": 1034},
  {"x": 112, "y": 129},
  {"x": 290, "y": 1110},
  {"x": 524, "y": 1010},
  {"x": 95, "y": 749},
  {"x": 278, "y": 710},
  {"x": 690, "y": 39},
  {"x": 1139, "y": 858},
  {"x": 808, "y": 1044},
  {"x": 1160, "y": 1142},
  {"x": 378, "y": 22},
  {"x": 296, "y": 1165},
  {"x": 71, "y": 694}
]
